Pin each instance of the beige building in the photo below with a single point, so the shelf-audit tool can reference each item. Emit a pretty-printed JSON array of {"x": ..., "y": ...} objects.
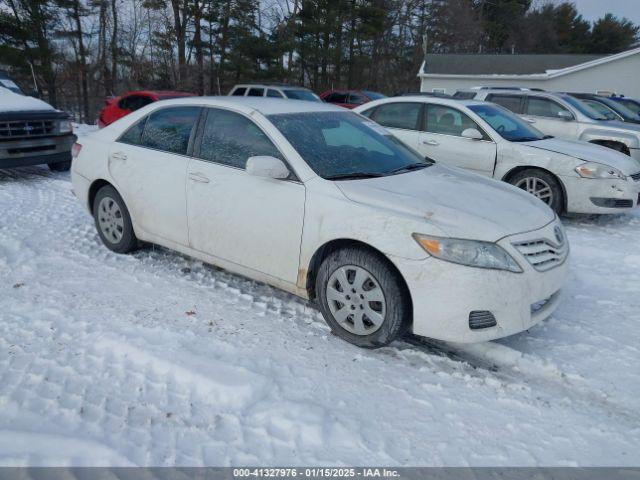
[{"x": 618, "y": 73}]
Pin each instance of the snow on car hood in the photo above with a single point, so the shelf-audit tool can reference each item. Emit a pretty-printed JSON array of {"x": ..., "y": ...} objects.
[
  {"x": 462, "y": 204},
  {"x": 14, "y": 102},
  {"x": 588, "y": 152}
]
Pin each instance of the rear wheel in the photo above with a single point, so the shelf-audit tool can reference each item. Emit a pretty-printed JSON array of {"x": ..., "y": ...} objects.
[
  {"x": 60, "y": 166},
  {"x": 362, "y": 298},
  {"x": 542, "y": 185},
  {"x": 113, "y": 221}
]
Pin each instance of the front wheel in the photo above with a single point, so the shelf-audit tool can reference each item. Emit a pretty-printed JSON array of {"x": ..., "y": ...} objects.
[
  {"x": 60, "y": 166},
  {"x": 542, "y": 185},
  {"x": 362, "y": 298}
]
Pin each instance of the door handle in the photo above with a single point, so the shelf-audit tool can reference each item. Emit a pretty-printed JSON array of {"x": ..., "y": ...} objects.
[
  {"x": 529, "y": 120},
  {"x": 199, "y": 177},
  {"x": 119, "y": 156},
  {"x": 431, "y": 142}
]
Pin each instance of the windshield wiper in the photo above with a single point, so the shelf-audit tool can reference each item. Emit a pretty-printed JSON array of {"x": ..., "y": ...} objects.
[
  {"x": 410, "y": 167},
  {"x": 353, "y": 176},
  {"x": 526, "y": 139}
]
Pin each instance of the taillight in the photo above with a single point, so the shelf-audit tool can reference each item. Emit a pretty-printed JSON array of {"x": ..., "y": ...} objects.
[{"x": 75, "y": 150}]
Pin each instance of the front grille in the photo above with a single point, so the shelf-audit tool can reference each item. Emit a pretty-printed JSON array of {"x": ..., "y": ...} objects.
[
  {"x": 481, "y": 319},
  {"x": 26, "y": 128},
  {"x": 543, "y": 254},
  {"x": 636, "y": 176}
]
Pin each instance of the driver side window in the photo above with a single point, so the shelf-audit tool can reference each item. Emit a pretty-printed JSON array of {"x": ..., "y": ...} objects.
[
  {"x": 230, "y": 139},
  {"x": 448, "y": 121}
]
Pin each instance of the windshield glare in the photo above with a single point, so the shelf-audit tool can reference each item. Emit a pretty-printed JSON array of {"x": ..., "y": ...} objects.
[
  {"x": 339, "y": 144},
  {"x": 302, "y": 95},
  {"x": 508, "y": 125}
]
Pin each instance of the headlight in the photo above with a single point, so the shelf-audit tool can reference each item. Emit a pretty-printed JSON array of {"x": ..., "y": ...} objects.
[
  {"x": 64, "y": 126},
  {"x": 598, "y": 170},
  {"x": 472, "y": 253}
]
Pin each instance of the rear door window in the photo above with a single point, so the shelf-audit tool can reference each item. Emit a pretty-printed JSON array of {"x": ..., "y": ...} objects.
[
  {"x": 510, "y": 102},
  {"x": 404, "y": 115},
  {"x": 239, "y": 92},
  {"x": 337, "y": 97},
  {"x": 133, "y": 135},
  {"x": 543, "y": 107},
  {"x": 256, "y": 92},
  {"x": 169, "y": 129}
]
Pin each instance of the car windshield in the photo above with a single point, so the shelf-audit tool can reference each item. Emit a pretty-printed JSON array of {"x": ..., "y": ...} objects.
[
  {"x": 619, "y": 108},
  {"x": 601, "y": 108},
  {"x": 343, "y": 145},
  {"x": 299, "y": 94},
  {"x": 583, "y": 107},
  {"x": 633, "y": 105},
  {"x": 508, "y": 125},
  {"x": 373, "y": 95}
]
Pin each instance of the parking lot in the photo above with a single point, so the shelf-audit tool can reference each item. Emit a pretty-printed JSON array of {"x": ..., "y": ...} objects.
[{"x": 156, "y": 359}]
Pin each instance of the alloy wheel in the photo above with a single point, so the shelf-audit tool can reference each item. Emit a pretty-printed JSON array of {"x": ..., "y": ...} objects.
[
  {"x": 110, "y": 220},
  {"x": 356, "y": 300},
  {"x": 537, "y": 187}
]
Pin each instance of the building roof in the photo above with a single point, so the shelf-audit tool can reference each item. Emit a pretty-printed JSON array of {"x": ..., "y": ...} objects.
[
  {"x": 483, "y": 64},
  {"x": 513, "y": 66}
]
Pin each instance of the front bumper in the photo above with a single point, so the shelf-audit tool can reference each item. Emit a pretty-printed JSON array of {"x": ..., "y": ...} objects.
[
  {"x": 590, "y": 195},
  {"x": 36, "y": 151},
  {"x": 444, "y": 294}
]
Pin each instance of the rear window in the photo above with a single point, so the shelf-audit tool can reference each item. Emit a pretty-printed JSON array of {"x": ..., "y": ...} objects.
[{"x": 464, "y": 95}]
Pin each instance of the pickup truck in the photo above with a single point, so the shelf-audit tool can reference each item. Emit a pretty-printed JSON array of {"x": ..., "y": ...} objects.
[{"x": 32, "y": 132}]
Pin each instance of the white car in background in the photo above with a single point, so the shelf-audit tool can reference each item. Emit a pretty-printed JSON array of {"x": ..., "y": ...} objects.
[
  {"x": 488, "y": 139},
  {"x": 567, "y": 117},
  {"x": 391, "y": 242}
]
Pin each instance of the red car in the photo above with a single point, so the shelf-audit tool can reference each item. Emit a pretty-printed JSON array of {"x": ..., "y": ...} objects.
[
  {"x": 350, "y": 98},
  {"x": 118, "y": 107}
]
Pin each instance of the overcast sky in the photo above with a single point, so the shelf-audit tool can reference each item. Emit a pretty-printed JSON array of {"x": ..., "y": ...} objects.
[{"x": 593, "y": 9}]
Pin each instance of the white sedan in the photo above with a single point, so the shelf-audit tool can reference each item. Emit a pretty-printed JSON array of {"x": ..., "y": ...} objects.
[
  {"x": 485, "y": 138},
  {"x": 325, "y": 204}
]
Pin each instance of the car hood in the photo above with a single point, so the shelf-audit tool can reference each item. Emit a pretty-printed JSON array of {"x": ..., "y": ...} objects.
[
  {"x": 588, "y": 152},
  {"x": 635, "y": 127},
  {"x": 459, "y": 203}
]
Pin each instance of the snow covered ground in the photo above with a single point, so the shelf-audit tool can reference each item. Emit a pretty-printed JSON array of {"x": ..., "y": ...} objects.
[{"x": 156, "y": 359}]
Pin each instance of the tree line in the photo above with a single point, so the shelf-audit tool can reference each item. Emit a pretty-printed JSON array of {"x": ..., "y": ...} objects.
[{"x": 77, "y": 52}]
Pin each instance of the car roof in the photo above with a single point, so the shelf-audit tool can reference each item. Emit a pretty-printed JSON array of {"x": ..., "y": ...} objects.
[
  {"x": 424, "y": 99},
  {"x": 158, "y": 93},
  {"x": 264, "y": 105},
  {"x": 269, "y": 85}
]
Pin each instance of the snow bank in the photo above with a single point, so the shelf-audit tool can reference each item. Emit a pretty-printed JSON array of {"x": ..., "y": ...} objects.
[{"x": 13, "y": 102}]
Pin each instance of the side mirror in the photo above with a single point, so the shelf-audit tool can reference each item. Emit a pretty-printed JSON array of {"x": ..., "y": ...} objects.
[
  {"x": 472, "y": 133},
  {"x": 564, "y": 115},
  {"x": 267, "y": 167}
]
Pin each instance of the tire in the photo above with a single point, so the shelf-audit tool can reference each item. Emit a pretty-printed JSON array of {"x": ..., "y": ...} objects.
[
  {"x": 113, "y": 221},
  {"x": 389, "y": 304},
  {"x": 534, "y": 180},
  {"x": 60, "y": 166}
]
